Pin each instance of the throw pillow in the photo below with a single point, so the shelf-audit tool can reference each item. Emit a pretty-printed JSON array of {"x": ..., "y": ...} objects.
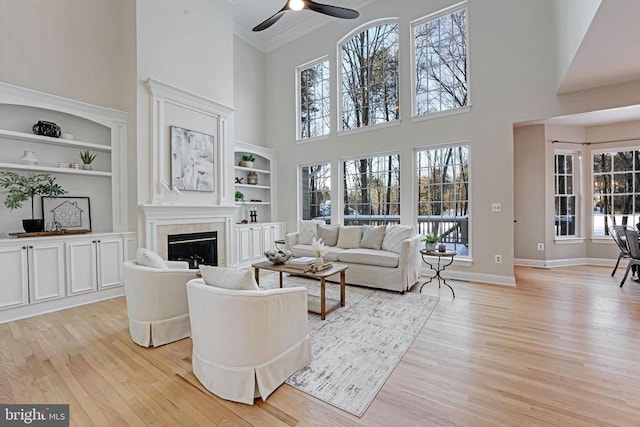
[
  {"x": 228, "y": 278},
  {"x": 394, "y": 236},
  {"x": 307, "y": 231},
  {"x": 372, "y": 236},
  {"x": 148, "y": 258},
  {"x": 328, "y": 234},
  {"x": 349, "y": 237}
]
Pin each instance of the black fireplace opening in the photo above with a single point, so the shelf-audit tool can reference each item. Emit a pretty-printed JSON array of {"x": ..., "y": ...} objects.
[{"x": 195, "y": 248}]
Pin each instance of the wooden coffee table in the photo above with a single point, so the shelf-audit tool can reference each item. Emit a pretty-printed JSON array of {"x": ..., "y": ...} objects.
[{"x": 326, "y": 305}]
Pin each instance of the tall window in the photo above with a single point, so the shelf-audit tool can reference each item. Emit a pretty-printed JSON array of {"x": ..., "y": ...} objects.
[
  {"x": 316, "y": 191},
  {"x": 616, "y": 189},
  {"x": 443, "y": 195},
  {"x": 370, "y": 77},
  {"x": 314, "y": 100},
  {"x": 440, "y": 49},
  {"x": 565, "y": 195},
  {"x": 372, "y": 190}
]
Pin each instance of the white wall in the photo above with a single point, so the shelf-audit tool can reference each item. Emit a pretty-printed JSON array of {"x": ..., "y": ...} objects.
[
  {"x": 187, "y": 44},
  {"x": 513, "y": 79},
  {"x": 249, "y": 93}
]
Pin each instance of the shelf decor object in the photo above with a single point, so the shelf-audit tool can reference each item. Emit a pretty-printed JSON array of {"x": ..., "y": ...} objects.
[
  {"x": 47, "y": 129},
  {"x": 192, "y": 163},
  {"x": 69, "y": 213},
  {"x": 252, "y": 178},
  {"x": 29, "y": 158},
  {"x": 87, "y": 158}
]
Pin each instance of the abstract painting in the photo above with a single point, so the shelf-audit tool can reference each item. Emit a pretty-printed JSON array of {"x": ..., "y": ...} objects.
[{"x": 192, "y": 162}]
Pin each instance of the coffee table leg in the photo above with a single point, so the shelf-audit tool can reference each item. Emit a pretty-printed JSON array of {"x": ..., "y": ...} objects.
[
  {"x": 281, "y": 279},
  {"x": 256, "y": 274},
  {"x": 323, "y": 307},
  {"x": 343, "y": 280}
]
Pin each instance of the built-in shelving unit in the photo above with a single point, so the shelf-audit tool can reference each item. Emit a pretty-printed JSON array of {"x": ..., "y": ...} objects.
[
  {"x": 21, "y": 136},
  {"x": 50, "y": 169},
  {"x": 256, "y": 196}
]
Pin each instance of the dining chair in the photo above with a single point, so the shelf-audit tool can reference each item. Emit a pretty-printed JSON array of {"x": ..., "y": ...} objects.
[
  {"x": 633, "y": 245},
  {"x": 617, "y": 232}
]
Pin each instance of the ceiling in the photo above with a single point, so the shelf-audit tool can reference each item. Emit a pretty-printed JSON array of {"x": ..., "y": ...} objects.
[
  {"x": 249, "y": 13},
  {"x": 610, "y": 51}
]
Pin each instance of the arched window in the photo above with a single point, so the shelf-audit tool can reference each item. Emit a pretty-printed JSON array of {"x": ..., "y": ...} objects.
[{"x": 369, "y": 73}]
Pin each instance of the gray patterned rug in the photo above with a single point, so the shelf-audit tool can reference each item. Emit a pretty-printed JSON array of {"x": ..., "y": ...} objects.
[{"x": 358, "y": 346}]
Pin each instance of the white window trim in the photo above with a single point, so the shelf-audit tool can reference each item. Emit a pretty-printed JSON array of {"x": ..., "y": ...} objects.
[
  {"x": 412, "y": 51},
  {"x": 359, "y": 29},
  {"x": 611, "y": 149},
  {"x": 578, "y": 185},
  {"x": 299, "y": 70},
  {"x": 414, "y": 188}
]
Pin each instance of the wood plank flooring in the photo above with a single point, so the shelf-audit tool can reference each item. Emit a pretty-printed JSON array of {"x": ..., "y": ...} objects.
[{"x": 562, "y": 348}]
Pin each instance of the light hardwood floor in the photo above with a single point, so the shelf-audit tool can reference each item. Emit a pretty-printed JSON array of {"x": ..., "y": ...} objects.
[{"x": 562, "y": 348}]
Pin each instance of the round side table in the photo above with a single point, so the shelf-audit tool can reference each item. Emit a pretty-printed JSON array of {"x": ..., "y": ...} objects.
[{"x": 438, "y": 267}]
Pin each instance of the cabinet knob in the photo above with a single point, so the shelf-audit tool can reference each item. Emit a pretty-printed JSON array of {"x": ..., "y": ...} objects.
[
  {"x": 93, "y": 241},
  {"x": 24, "y": 247},
  {"x": 30, "y": 247},
  {"x": 98, "y": 241}
]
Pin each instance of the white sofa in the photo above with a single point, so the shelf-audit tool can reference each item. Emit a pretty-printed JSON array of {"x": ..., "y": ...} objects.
[
  {"x": 378, "y": 268},
  {"x": 246, "y": 343},
  {"x": 157, "y": 302}
]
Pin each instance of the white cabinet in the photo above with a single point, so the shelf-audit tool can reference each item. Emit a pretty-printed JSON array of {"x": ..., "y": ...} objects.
[
  {"x": 46, "y": 271},
  {"x": 15, "y": 273},
  {"x": 94, "y": 264},
  {"x": 253, "y": 239},
  {"x": 31, "y": 273}
]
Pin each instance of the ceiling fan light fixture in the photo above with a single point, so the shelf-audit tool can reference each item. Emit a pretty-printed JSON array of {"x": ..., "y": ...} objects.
[{"x": 296, "y": 5}]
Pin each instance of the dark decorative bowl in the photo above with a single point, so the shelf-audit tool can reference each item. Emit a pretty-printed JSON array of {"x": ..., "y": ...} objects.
[{"x": 47, "y": 129}]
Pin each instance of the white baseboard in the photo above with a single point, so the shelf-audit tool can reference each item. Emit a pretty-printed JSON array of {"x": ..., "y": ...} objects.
[
  {"x": 469, "y": 276},
  {"x": 568, "y": 262}
]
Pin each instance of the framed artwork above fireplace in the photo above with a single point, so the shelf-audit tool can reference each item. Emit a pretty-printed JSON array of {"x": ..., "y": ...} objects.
[{"x": 192, "y": 160}]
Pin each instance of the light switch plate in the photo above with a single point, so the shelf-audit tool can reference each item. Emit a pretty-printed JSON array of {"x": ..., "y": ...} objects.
[{"x": 496, "y": 207}]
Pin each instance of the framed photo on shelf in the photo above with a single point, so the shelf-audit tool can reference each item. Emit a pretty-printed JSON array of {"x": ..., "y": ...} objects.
[
  {"x": 192, "y": 162},
  {"x": 70, "y": 213}
]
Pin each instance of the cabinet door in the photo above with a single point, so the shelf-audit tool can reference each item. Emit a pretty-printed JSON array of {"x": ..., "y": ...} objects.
[
  {"x": 46, "y": 272},
  {"x": 110, "y": 256},
  {"x": 15, "y": 277},
  {"x": 256, "y": 242},
  {"x": 81, "y": 266},
  {"x": 243, "y": 244},
  {"x": 268, "y": 237}
]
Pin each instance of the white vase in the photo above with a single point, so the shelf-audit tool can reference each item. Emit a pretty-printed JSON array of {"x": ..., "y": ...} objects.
[
  {"x": 87, "y": 166},
  {"x": 319, "y": 261},
  {"x": 29, "y": 158}
]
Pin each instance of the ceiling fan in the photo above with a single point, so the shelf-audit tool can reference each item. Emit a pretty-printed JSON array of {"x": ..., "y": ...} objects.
[{"x": 296, "y": 5}]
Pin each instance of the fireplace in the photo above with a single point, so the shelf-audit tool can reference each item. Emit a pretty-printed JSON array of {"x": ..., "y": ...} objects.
[{"x": 195, "y": 248}]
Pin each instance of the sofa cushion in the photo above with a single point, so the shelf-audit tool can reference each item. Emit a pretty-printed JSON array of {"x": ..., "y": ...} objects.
[
  {"x": 328, "y": 234},
  {"x": 369, "y": 256},
  {"x": 349, "y": 237},
  {"x": 228, "y": 278},
  {"x": 372, "y": 236},
  {"x": 307, "y": 231},
  {"x": 307, "y": 250},
  {"x": 394, "y": 236},
  {"x": 148, "y": 258}
]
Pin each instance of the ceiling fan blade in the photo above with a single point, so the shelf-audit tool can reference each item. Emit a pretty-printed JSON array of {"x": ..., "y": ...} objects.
[
  {"x": 338, "y": 12},
  {"x": 269, "y": 21}
]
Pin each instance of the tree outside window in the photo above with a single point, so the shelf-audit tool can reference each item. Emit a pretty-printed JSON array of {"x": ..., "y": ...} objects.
[
  {"x": 440, "y": 49},
  {"x": 443, "y": 195},
  {"x": 616, "y": 190},
  {"x": 370, "y": 89},
  {"x": 316, "y": 192},
  {"x": 372, "y": 190},
  {"x": 314, "y": 100}
]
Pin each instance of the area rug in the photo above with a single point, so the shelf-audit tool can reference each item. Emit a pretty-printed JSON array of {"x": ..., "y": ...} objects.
[{"x": 358, "y": 346}]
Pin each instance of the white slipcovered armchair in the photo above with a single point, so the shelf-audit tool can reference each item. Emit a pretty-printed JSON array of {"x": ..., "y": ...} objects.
[
  {"x": 157, "y": 302},
  {"x": 246, "y": 343}
]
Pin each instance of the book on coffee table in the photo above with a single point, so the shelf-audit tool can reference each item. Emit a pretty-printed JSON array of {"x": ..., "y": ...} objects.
[{"x": 301, "y": 262}]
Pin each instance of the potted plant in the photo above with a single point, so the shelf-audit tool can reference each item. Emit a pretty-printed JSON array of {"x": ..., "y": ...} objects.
[
  {"x": 21, "y": 188},
  {"x": 87, "y": 158},
  {"x": 430, "y": 242},
  {"x": 247, "y": 160},
  {"x": 239, "y": 196}
]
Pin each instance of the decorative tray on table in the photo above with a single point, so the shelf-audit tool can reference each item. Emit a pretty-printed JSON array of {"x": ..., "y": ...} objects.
[{"x": 50, "y": 233}]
